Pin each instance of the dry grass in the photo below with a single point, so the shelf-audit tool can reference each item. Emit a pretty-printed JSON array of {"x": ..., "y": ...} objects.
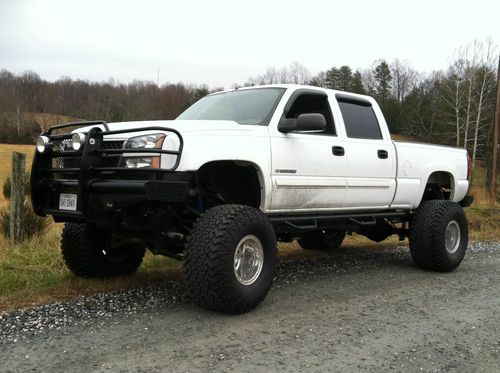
[
  {"x": 34, "y": 273},
  {"x": 401, "y": 137},
  {"x": 482, "y": 197},
  {"x": 6, "y": 162}
]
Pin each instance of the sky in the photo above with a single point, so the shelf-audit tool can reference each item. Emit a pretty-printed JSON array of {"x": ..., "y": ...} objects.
[{"x": 221, "y": 42}]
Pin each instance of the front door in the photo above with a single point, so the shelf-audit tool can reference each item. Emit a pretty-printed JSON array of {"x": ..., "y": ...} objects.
[{"x": 308, "y": 169}]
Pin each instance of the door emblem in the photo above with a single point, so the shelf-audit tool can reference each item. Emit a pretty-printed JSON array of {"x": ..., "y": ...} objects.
[{"x": 285, "y": 171}]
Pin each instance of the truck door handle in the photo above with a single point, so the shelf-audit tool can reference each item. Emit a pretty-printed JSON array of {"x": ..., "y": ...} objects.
[
  {"x": 338, "y": 151},
  {"x": 382, "y": 154}
]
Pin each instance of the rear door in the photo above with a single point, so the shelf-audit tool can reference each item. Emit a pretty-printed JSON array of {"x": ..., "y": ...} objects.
[{"x": 369, "y": 153}]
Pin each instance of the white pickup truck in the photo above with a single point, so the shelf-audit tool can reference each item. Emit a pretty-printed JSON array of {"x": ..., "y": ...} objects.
[{"x": 237, "y": 172}]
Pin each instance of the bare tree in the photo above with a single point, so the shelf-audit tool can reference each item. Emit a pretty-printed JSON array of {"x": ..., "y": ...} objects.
[
  {"x": 468, "y": 89},
  {"x": 299, "y": 74},
  {"x": 453, "y": 96},
  {"x": 368, "y": 81},
  {"x": 485, "y": 84},
  {"x": 404, "y": 78},
  {"x": 464, "y": 65},
  {"x": 294, "y": 74}
]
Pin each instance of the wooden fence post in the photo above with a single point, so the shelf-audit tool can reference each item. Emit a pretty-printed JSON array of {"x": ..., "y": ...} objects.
[{"x": 16, "y": 195}]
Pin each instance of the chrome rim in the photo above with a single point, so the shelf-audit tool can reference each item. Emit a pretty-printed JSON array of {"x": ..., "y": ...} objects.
[
  {"x": 248, "y": 260},
  {"x": 452, "y": 237}
]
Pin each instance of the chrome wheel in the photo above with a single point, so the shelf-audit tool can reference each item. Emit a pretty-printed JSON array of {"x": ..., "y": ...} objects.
[
  {"x": 452, "y": 237},
  {"x": 248, "y": 260}
]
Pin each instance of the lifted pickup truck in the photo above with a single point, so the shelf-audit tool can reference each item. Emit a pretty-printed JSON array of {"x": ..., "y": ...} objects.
[{"x": 237, "y": 172}]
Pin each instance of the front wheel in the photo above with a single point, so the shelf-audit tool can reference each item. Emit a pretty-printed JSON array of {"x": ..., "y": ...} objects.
[
  {"x": 230, "y": 259},
  {"x": 438, "y": 235},
  {"x": 88, "y": 253}
]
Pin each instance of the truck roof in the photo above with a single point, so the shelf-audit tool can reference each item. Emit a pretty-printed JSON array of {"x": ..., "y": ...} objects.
[{"x": 296, "y": 87}]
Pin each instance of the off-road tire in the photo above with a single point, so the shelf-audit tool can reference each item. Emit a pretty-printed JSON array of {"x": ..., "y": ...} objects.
[
  {"x": 82, "y": 247},
  {"x": 427, "y": 235},
  {"x": 209, "y": 258},
  {"x": 322, "y": 240}
]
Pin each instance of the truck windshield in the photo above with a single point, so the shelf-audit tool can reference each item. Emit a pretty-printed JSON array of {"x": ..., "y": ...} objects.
[{"x": 246, "y": 106}]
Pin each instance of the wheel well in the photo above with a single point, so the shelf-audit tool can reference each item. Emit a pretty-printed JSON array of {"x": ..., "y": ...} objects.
[
  {"x": 233, "y": 181},
  {"x": 439, "y": 186}
]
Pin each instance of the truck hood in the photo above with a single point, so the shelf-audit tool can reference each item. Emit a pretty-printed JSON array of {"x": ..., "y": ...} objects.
[{"x": 183, "y": 126}]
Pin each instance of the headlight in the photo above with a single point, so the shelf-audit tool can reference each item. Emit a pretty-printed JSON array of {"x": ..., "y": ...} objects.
[
  {"x": 41, "y": 143},
  {"x": 143, "y": 162},
  {"x": 77, "y": 141},
  {"x": 153, "y": 141},
  {"x": 145, "y": 141}
]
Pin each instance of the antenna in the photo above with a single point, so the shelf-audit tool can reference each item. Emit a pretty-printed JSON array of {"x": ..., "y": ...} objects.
[{"x": 158, "y": 78}]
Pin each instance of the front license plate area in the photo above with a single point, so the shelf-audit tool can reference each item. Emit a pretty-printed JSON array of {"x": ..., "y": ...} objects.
[{"x": 67, "y": 201}]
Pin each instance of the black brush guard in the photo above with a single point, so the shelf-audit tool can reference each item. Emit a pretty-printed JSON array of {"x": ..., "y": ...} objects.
[{"x": 102, "y": 189}]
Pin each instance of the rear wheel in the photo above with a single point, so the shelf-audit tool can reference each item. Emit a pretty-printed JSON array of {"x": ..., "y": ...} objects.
[
  {"x": 230, "y": 259},
  {"x": 87, "y": 252},
  {"x": 322, "y": 240},
  {"x": 438, "y": 235}
]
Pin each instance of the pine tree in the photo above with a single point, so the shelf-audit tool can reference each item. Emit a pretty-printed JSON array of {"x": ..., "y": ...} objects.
[
  {"x": 332, "y": 78},
  {"x": 345, "y": 78},
  {"x": 383, "y": 77},
  {"x": 357, "y": 83}
]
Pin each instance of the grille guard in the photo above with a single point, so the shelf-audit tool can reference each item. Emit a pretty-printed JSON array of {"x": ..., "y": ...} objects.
[{"x": 91, "y": 156}]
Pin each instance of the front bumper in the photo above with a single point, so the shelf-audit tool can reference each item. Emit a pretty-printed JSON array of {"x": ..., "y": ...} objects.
[{"x": 101, "y": 189}]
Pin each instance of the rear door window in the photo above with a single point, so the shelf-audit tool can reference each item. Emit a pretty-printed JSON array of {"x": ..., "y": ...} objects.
[{"x": 359, "y": 119}]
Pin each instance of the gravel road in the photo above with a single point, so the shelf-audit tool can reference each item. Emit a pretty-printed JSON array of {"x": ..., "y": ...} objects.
[{"x": 355, "y": 310}]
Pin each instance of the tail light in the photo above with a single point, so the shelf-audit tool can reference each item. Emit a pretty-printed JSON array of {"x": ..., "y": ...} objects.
[{"x": 469, "y": 166}]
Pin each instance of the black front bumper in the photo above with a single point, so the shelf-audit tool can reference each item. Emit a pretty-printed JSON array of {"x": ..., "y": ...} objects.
[{"x": 102, "y": 189}]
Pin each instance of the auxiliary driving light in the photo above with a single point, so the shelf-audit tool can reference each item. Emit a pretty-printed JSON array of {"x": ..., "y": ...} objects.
[
  {"x": 77, "y": 141},
  {"x": 41, "y": 143}
]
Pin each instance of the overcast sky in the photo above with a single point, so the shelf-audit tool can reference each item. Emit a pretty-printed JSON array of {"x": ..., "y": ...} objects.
[{"x": 219, "y": 42}]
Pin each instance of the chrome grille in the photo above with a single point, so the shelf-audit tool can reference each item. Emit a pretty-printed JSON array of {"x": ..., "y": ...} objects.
[
  {"x": 61, "y": 145},
  {"x": 74, "y": 162}
]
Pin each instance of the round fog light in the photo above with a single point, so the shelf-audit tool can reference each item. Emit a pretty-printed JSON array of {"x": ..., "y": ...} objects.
[
  {"x": 77, "y": 141},
  {"x": 41, "y": 143}
]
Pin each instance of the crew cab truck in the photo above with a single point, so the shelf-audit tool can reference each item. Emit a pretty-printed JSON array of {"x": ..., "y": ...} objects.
[{"x": 235, "y": 173}]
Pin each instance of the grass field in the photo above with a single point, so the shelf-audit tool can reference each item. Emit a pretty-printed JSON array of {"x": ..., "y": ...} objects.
[
  {"x": 6, "y": 162},
  {"x": 34, "y": 273}
]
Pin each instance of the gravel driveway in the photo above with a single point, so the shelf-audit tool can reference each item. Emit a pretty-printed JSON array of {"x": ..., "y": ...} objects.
[{"x": 355, "y": 310}]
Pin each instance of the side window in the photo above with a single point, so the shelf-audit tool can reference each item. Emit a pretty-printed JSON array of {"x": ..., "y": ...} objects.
[
  {"x": 360, "y": 120},
  {"x": 311, "y": 103}
]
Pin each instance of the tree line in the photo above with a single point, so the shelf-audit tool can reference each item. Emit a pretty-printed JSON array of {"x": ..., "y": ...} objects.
[
  {"x": 25, "y": 97},
  {"x": 453, "y": 106}
]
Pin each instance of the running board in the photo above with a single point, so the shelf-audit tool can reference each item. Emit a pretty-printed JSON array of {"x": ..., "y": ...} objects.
[{"x": 315, "y": 222}]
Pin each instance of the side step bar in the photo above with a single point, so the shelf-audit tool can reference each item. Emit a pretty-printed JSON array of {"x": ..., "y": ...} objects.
[{"x": 314, "y": 222}]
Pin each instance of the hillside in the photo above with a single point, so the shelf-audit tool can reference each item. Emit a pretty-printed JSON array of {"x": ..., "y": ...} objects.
[{"x": 46, "y": 120}]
